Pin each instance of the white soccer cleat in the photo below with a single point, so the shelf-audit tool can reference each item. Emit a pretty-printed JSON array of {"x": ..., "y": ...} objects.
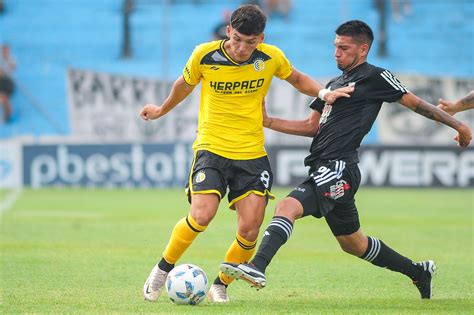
[
  {"x": 154, "y": 284},
  {"x": 218, "y": 293},
  {"x": 247, "y": 272}
]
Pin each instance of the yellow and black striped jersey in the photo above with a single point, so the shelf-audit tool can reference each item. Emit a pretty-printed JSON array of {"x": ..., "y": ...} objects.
[{"x": 230, "y": 113}]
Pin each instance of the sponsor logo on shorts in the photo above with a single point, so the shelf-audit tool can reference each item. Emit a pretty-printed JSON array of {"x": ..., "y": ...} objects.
[
  {"x": 300, "y": 189},
  {"x": 200, "y": 177},
  {"x": 337, "y": 190}
]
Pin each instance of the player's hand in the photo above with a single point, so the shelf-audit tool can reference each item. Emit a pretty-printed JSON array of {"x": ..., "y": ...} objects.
[
  {"x": 447, "y": 106},
  {"x": 464, "y": 136},
  {"x": 150, "y": 111},
  {"x": 332, "y": 96}
]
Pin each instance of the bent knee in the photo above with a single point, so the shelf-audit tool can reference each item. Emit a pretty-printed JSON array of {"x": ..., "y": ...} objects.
[
  {"x": 202, "y": 215},
  {"x": 289, "y": 208},
  {"x": 347, "y": 248},
  {"x": 204, "y": 208},
  {"x": 356, "y": 249},
  {"x": 202, "y": 218},
  {"x": 249, "y": 230}
]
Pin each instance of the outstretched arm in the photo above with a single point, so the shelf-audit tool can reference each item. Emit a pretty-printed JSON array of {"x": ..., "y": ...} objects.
[
  {"x": 306, "y": 85},
  {"x": 462, "y": 104},
  {"x": 179, "y": 91},
  {"x": 307, "y": 127},
  {"x": 432, "y": 112}
]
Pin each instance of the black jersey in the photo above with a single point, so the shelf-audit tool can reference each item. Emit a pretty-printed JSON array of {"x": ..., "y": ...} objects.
[{"x": 344, "y": 124}]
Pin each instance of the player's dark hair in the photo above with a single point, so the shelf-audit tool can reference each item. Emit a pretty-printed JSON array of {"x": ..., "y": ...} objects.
[
  {"x": 249, "y": 20},
  {"x": 358, "y": 30}
]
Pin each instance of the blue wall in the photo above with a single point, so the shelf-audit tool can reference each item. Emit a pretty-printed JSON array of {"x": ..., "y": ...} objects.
[{"x": 48, "y": 36}]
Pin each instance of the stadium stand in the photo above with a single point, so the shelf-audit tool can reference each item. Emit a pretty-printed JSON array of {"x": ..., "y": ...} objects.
[{"x": 49, "y": 36}]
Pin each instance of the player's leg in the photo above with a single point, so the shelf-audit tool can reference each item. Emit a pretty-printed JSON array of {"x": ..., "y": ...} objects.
[
  {"x": 203, "y": 209},
  {"x": 306, "y": 199},
  {"x": 343, "y": 221},
  {"x": 205, "y": 189},
  {"x": 275, "y": 236},
  {"x": 278, "y": 231},
  {"x": 250, "y": 183},
  {"x": 302, "y": 201},
  {"x": 250, "y": 214},
  {"x": 377, "y": 252}
]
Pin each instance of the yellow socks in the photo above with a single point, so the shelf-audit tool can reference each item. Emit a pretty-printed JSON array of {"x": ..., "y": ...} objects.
[
  {"x": 240, "y": 251},
  {"x": 184, "y": 233}
]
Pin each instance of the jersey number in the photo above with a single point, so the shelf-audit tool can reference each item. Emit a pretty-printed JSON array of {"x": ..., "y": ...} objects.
[
  {"x": 324, "y": 116},
  {"x": 265, "y": 178}
]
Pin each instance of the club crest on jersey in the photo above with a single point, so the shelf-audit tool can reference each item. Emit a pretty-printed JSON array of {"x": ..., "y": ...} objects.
[
  {"x": 200, "y": 177},
  {"x": 259, "y": 64},
  {"x": 337, "y": 190}
]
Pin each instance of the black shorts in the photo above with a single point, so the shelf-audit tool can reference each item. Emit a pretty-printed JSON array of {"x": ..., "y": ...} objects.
[
  {"x": 329, "y": 192},
  {"x": 6, "y": 85},
  {"x": 211, "y": 173}
]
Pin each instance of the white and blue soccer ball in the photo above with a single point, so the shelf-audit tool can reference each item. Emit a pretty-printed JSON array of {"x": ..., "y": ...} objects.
[{"x": 186, "y": 284}]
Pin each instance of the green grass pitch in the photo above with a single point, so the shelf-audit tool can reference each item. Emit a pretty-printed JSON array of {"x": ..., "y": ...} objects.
[{"x": 90, "y": 251}]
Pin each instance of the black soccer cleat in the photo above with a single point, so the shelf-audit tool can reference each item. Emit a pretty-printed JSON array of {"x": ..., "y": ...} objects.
[
  {"x": 247, "y": 272},
  {"x": 425, "y": 282}
]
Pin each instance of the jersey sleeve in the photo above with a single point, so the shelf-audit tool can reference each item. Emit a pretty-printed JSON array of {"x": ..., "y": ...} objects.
[
  {"x": 317, "y": 104},
  {"x": 387, "y": 87},
  {"x": 192, "y": 71},
  {"x": 284, "y": 67}
]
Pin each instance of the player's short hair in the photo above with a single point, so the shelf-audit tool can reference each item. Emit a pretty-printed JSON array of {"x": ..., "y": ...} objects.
[
  {"x": 358, "y": 30},
  {"x": 249, "y": 20}
]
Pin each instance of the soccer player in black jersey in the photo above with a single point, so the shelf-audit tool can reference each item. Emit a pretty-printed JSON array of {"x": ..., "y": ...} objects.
[{"x": 334, "y": 176}]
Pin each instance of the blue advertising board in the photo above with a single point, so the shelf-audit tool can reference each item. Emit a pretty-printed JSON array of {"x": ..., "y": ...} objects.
[
  {"x": 167, "y": 165},
  {"x": 108, "y": 165}
]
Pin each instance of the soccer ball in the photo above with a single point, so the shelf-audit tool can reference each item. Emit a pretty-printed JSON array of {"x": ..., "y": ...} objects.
[{"x": 186, "y": 284}]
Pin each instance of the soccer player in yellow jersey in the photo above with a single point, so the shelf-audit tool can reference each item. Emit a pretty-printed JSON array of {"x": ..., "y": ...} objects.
[{"x": 229, "y": 148}]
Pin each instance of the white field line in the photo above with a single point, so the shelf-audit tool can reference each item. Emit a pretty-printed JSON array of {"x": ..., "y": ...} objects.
[{"x": 9, "y": 200}]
